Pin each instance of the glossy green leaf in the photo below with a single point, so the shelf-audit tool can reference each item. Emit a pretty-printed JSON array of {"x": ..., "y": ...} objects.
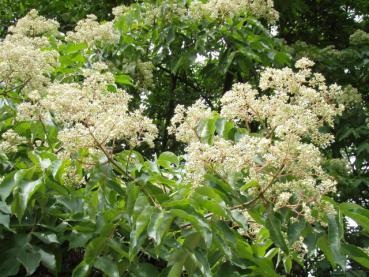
[
  {"x": 144, "y": 270},
  {"x": 4, "y": 220},
  {"x": 323, "y": 244},
  {"x": 82, "y": 270},
  {"x": 48, "y": 260},
  {"x": 46, "y": 237},
  {"x": 7, "y": 185},
  {"x": 295, "y": 229},
  {"x": 206, "y": 129},
  {"x": 223, "y": 127},
  {"x": 176, "y": 270},
  {"x": 9, "y": 267},
  {"x": 93, "y": 249},
  {"x": 23, "y": 195},
  {"x": 249, "y": 185},
  {"x": 357, "y": 254},
  {"x": 357, "y": 213},
  {"x": 287, "y": 264},
  {"x": 169, "y": 157},
  {"x": 159, "y": 224},
  {"x": 334, "y": 241},
  {"x": 30, "y": 259},
  {"x": 107, "y": 266},
  {"x": 273, "y": 224},
  {"x": 124, "y": 80}
]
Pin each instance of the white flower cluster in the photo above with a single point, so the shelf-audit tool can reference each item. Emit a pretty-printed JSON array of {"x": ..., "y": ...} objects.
[
  {"x": 300, "y": 103},
  {"x": 90, "y": 31},
  {"x": 165, "y": 12},
  {"x": 10, "y": 141},
  {"x": 119, "y": 11},
  {"x": 90, "y": 115},
  {"x": 33, "y": 25},
  {"x": 300, "y": 248},
  {"x": 22, "y": 61},
  {"x": 144, "y": 72},
  {"x": 185, "y": 120},
  {"x": 350, "y": 97},
  {"x": 24, "y": 65},
  {"x": 253, "y": 228},
  {"x": 359, "y": 38},
  {"x": 230, "y": 8},
  {"x": 283, "y": 158}
]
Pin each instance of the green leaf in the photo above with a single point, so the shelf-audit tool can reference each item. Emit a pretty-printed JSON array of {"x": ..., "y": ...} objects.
[
  {"x": 171, "y": 35},
  {"x": 249, "y": 185},
  {"x": 46, "y": 237},
  {"x": 208, "y": 199},
  {"x": 4, "y": 208},
  {"x": 169, "y": 157},
  {"x": 144, "y": 270},
  {"x": 273, "y": 224},
  {"x": 159, "y": 224},
  {"x": 7, "y": 185},
  {"x": 357, "y": 254},
  {"x": 295, "y": 229},
  {"x": 73, "y": 47},
  {"x": 48, "y": 260},
  {"x": 107, "y": 266},
  {"x": 132, "y": 198},
  {"x": 82, "y": 270},
  {"x": 287, "y": 264},
  {"x": 58, "y": 168},
  {"x": 124, "y": 79},
  {"x": 240, "y": 218},
  {"x": 199, "y": 259},
  {"x": 229, "y": 61},
  {"x": 184, "y": 61},
  {"x": 206, "y": 129},
  {"x": 93, "y": 249},
  {"x": 141, "y": 223},
  {"x": 116, "y": 186},
  {"x": 334, "y": 240},
  {"x": 324, "y": 246},
  {"x": 26, "y": 190},
  {"x": 118, "y": 248},
  {"x": 176, "y": 270},
  {"x": 357, "y": 213},
  {"x": 227, "y": 270},
  {"x": 30, "y": 259},
  {"x": 200, "y": 225},
  {"x": 223, "y": 127},
  {"x": 9, "y": 267},
  {"x": 4, "y": 220},
  {"x": 78, "y": 239},
  {"x": 220, "y": 184},
  {"x": 282, "y": 58},
  {"x": 192, "y": 241}
]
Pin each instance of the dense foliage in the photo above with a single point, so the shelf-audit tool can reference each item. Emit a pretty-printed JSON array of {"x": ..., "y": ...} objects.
[{"x": 181, "y": 138}]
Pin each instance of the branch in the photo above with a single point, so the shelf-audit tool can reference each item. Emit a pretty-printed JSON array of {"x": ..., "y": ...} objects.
[
  {"x": 191, "y": 85},
  {"x": 110, "y": 159},
  {"x": 5, "y": 92},
  {"x": 102, "y": 148},
  {"x": 251, "y": 202}
]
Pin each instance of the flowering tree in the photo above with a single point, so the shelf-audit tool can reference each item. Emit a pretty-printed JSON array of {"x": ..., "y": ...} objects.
[{"x": 87, "y": 185}]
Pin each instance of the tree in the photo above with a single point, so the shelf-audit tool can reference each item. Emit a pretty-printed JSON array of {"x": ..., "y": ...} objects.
[{"x": 88, "y": 119}]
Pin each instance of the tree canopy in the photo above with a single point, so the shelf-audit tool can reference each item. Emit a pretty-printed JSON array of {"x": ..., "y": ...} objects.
[{"x": 184, "y": 138}]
